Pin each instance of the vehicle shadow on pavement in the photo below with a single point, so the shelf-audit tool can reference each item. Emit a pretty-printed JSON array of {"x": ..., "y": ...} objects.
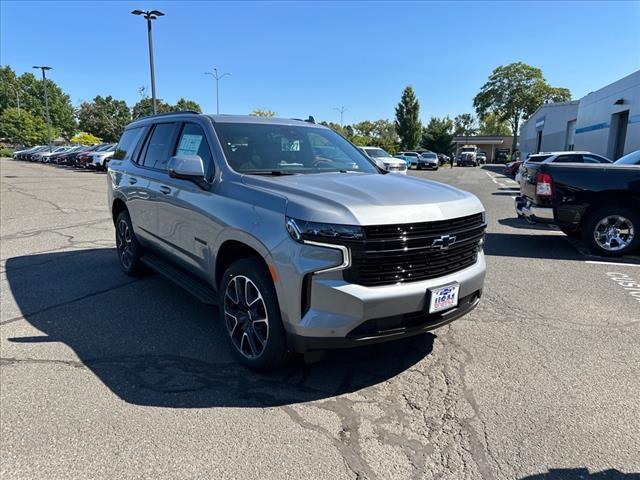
[
  {"x": 495, "y": 168},
  {"x": 582, "y": 474},
  {"x": 515, "y": 222},
  {"x": 552, "y": 247},
  {"x": 152, "y": 344}
]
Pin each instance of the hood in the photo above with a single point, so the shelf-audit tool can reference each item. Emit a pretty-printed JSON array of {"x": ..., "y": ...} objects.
[
  {"x": 392, "y": 161},
  {"x": 367, "y": 199}
]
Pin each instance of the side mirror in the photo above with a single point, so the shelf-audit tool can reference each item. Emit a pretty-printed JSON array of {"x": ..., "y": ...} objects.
[{"x": 187, "y": 167}]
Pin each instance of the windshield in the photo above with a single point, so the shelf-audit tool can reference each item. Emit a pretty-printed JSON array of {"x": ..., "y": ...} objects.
[
  {"x": 468, "y": 149},
  {"x": 429, "y": 155},
  {"x": 632, "y": 158},
  {"x": 376, "y": 152},
  {"x": 258, "y": 148}
]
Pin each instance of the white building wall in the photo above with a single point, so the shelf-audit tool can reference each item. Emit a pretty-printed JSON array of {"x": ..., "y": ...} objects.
[
  {"x": 595, "y": 126},
  {"x": 552, "y": 120}
]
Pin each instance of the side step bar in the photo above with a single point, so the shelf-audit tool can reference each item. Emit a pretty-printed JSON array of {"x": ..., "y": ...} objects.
[{"x": 191, "y": 284}]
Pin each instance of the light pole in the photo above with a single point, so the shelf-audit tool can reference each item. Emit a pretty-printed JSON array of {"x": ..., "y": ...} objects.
[
  {"x": 342, "y": 109},
  {"x": 17, "y": 99},
  {"x": 218, "y": 77},
  {"x": 150, "y": 15},
  {"x": 46, "y": 100}
]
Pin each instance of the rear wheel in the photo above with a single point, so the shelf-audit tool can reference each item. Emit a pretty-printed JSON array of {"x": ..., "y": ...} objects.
[
  {"x": 127, "y": 246},
  {"x": 612, "y": 231},
  {"x": 250, "y": 313}
]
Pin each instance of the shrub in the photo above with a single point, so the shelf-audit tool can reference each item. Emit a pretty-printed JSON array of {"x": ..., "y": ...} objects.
[{"x": 6, "y": 152}]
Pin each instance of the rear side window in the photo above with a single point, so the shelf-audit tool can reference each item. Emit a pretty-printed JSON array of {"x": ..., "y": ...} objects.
[
  {"x": 568, "y": 159},
  {"x": 594, "y": 159},
  {"x": 159, "y": 146},
  {"x": 538, "y": 158},
  {"x": 127, "y": 143}
]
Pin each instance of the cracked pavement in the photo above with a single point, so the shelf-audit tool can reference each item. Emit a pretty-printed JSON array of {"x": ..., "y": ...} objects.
[{"x": 104, "y": 376}]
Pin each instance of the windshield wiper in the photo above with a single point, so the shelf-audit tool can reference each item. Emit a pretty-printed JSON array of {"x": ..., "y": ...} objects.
[{"x": 273, "y": 173}]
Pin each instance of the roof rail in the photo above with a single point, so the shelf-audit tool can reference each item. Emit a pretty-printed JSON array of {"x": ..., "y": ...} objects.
[
  {"x": 179, "y": 112},
  {"x": 308, "y": 120}
]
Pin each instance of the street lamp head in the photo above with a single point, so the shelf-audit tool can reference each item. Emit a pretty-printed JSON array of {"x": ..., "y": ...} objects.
[
  {"x": 138, "y": 12},
  {"x": 41, "y": 67},
  {"x": 157, "y": 13}
]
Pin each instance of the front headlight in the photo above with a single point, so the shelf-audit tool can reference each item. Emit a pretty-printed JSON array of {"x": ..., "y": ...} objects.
[{"x": 301, "y": 230}]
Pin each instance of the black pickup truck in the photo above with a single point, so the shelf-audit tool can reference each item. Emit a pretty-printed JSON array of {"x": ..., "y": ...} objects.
[{"x": 600, "y": 202}]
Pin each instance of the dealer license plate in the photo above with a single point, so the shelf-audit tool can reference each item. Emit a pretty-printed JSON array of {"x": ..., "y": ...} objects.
[{"x": 443, "y": 298}]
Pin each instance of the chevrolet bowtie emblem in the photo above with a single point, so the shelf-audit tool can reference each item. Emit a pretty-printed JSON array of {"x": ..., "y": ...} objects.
[{"x": 444, "y": 242}]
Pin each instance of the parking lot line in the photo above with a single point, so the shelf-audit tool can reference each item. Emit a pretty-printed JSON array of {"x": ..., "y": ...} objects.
[{"x": 621, "y": 264}]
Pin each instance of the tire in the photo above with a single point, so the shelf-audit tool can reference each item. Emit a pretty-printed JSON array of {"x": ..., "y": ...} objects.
[
  {"x": 259, "y": 344},
  {"x": 127, "y": 246},
  {"x": 600, "y": 227}
]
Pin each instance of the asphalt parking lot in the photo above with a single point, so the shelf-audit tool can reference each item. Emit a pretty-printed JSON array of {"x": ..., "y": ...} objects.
[{"x": 104, "y": 376}]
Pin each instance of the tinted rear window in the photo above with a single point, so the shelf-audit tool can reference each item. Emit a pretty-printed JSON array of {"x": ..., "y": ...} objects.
[
  {"x": 127, "y": 144},
  {"x": 538, "y": 158}
]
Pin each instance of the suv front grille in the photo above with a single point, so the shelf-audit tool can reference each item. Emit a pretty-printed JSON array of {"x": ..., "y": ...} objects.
[{"x": 404, "y": 253}]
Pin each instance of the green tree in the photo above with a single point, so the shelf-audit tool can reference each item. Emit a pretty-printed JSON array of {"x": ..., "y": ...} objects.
[
  {"x": 22, "y": 128},
  {"x": 437, "y": 136},
  {"x": 144, "y": 108},
  {"x": 184, "y": 105},
  {"x": 30, "y": 90},
  {"x": 84, "y": 138},
  {"x": 464, "y": 125},
  {"x": 104, "y": 117},
  {"x": 408, "y": 126},
  {"x": 492, "y": 125},
  {"x": 513, "y": 92},
  {"x": 259, "y": 112}
]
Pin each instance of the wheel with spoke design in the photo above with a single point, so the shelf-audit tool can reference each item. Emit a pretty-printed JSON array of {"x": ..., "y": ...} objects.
[
  {"x": 127, "y": 246},
  {"x": 612, "y": 231},
  {"x": 251, "y": 315}
]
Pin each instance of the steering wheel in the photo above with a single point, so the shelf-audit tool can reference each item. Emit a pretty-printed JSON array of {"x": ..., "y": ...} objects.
[{"x": 319, "y": 161}]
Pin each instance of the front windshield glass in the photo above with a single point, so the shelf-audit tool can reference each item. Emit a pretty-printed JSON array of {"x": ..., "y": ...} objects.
[
  {"x": 429, "y": 155},
  {"x": 376, "y": 152},
  {"x": 632, "y": 158},
  {"x": 468, "y": 149},
  {"x": 255, "y": 148}
]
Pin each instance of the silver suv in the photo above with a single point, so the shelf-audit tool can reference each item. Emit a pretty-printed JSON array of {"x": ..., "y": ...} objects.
[{"x": 302, "y": 242}]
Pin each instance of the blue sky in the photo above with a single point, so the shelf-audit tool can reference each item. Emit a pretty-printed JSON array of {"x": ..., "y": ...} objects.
[{"x": 306, "y": 58}]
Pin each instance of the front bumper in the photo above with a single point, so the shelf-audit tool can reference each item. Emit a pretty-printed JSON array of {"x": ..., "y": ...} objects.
[
  {"x": 428, "y": 165},
  {"x": 532, "y": 212},
  {"x": 343, "y": 314}
]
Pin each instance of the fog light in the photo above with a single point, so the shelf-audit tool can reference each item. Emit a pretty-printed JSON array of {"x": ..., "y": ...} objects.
[{"x": 481, "y": 245}]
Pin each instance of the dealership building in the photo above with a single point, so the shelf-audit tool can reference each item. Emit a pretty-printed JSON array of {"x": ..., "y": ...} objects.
[
  {"x": 497, "y": 148},
  {"x": 606, "y": 122}
]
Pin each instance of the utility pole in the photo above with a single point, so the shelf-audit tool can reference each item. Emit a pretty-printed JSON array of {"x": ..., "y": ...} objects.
[
  {"x": 46, "y": 101},
  {"x": 17, "y": 99},
  {"x": 150, "y": 15},
  {"x": 342, "y": 109},
  {"x": 218, "y": 77}
]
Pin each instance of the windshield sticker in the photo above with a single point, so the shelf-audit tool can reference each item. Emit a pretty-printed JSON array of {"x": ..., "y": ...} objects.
[
  {"x": 289, "y": 145},
  {"x": 189, "y": 144}
]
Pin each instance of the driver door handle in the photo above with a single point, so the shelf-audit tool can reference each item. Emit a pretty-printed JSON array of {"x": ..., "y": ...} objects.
[
  {"x": 132, "y": 180},
  {"x": 164, "y": 189}
]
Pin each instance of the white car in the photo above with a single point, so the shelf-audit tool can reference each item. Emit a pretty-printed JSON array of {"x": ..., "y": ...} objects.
[
  {"x": 391, "y": 164},
  {"x": 100, "y": 160}
]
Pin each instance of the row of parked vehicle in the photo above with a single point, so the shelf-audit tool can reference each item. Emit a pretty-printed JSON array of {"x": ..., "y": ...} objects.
[
  {"x": 82, "y": 156},
  {"x": 585, "y": 195}
]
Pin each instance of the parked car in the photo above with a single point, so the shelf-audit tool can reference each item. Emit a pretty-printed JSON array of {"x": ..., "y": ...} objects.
[
  {"x": 466, "y": 159},
  {"x": 598, "y": 201},
  {"x": 389, "y": 163},
  {"x": 302, "y": 242},
  {"x": 410, "y": 157},
  {"x": 26, "y": 155},
  {"x": 428, "y": 160},
  {"x": 567, "y": 157},
  {"x": 44, "y": 155},
  {"x": 71, "y": 159},
  {"x": 481, "y": 158},
  {"x": 83, "y": 160},
  {"x": 17, "y": 153},
  {"x": 511, "y": 168},
  {"x": 100, "y": 160},
  {"x": 59, "y": 156}
]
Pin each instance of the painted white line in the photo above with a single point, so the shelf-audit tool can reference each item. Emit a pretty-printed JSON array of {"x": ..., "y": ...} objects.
[{"x": 613, "y": 263}]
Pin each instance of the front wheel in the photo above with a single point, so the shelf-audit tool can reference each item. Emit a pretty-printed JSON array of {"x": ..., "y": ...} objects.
[
  {"x": 250, "y": 313},
  {"x": 612, "y": 231}
]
